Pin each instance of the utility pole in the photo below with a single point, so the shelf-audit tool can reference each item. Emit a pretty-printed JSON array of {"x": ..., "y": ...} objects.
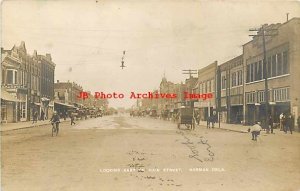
[
  {"x": 228, "y": 101},
  {"x": 262, "y": 32},
  {"x": 218, "y": 90},
  {"x": 189, "y": 72}
]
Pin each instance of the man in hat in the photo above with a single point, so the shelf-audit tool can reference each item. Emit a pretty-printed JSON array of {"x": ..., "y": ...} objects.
[
  {"x": 55, "y": 120},
  {"x": 255, "y": 130}
]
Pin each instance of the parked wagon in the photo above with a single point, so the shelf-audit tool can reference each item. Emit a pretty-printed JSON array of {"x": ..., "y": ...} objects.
[{"x": 186, "y": 116}]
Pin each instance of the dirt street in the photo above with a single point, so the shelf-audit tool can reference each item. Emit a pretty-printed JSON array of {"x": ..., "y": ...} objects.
[{"x": 124, "y": 153}]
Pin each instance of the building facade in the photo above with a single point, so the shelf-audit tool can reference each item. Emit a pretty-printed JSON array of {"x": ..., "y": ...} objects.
[
  {"x": 232, "y": 90},
  {"x": 67, "y": 92},
  {"x": 283, "y": 56},
  {"x": 207, "y": 84},
  {"x": 47, "y": 84},
  {"x": 21, "y": 76}
]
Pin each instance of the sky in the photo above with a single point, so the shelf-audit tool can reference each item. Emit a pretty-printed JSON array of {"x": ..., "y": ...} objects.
[{"x": 86, "y": 39}]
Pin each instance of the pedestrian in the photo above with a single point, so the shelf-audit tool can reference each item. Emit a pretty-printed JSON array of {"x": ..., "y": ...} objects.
[
  {"x": 271, "y": 123},
  {"x": 281, "y": 121},
  {"x": 35, "y": 116},
  {"x": 298, "y": 121},
  {"x": 255, "y": 130},
  {"x": 198, "y": 118},
  {"x": 293, "y": 122},
  {"x": 72, "y": 119},
  {"x": 42, "y": 115},
  {"x": 208, "y": 122},
  {"x": 284, "y": 120},
  {"x": 289, "y": 123},
  {"x": 214, "y": 120},
  {"x": 65, "y": 115}
]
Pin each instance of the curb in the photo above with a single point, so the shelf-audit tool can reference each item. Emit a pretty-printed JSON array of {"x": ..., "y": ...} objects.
[
  {"x": 226, "y": 129},
  {"x": 237, "y": 131},
  {"x": 27, "y": 127}
]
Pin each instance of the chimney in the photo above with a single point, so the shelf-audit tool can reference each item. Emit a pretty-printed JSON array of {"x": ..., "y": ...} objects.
[{"x": 48, "y": 56}]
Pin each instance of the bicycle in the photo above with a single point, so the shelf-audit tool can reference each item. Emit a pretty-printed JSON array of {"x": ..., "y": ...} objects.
[{"x": 55, "y": 128}]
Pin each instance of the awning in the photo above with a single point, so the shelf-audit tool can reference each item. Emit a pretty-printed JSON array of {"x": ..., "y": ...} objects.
[
  {"x": 64, "y": 104},
  {"x": 8, "y": 97}
]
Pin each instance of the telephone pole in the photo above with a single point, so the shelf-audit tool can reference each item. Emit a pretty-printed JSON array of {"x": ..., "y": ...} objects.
[
  {"x": 190, "y": 72},
  {"x": 189, "y": 87},
  {"x": 263, "y": 33}
]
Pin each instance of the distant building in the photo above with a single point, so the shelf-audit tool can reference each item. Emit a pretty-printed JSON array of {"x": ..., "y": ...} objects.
[
  {"x": 191, "y": 87},
  {"x": 67, "y": 92},
  {"x": 166, "y": 87},
  {"x": 65, "y": 97},
  {"x": 207, "y": 84}
]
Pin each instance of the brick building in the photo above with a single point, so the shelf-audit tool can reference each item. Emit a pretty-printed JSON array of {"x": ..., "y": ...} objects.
[
  {"x": 21, "y": 76},
  {"x": 207, "y": 84},
  {"x": 47, "y": 84},
  {"x": 283, "y": 56},
  {"x": 67, "y": 92},
  {"x": 232, "y": 90}
]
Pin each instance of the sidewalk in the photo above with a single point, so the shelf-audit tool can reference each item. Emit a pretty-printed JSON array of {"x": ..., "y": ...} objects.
[
  {"x": 24, "y": 125},
  {"x": 229, "y": 127},
  {"x": 234, "y": 127}
]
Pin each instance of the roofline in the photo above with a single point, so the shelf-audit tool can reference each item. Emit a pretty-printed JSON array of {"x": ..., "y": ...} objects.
[{"x": 281, "y": 24}]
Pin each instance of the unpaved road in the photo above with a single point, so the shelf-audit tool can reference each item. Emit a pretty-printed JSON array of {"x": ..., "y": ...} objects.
[{"x": 122, "y": 153}]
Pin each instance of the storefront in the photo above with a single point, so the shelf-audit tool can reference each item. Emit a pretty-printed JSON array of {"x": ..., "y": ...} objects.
[
  {"x": 63, "y": 109},
  {"x": 44, "y": 110},
  {"x": 10, "y": 107}
]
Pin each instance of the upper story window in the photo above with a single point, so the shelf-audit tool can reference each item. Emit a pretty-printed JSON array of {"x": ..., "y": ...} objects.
[
  {"x": 223, "y": 82},
  {"x": 11, "y": 76},
  {"x": 3, "y": 76},
  {"x": 277, "y": 65}
]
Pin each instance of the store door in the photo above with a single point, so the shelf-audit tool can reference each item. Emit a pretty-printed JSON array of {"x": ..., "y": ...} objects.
[{"x": 23, "y": 110}]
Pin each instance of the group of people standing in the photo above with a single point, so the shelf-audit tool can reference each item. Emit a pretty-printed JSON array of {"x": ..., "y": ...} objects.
[
  {"x": 287, "y": 122},
  {"x": 211, "y": 120},
  {"x": 35, "y": 116}
]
